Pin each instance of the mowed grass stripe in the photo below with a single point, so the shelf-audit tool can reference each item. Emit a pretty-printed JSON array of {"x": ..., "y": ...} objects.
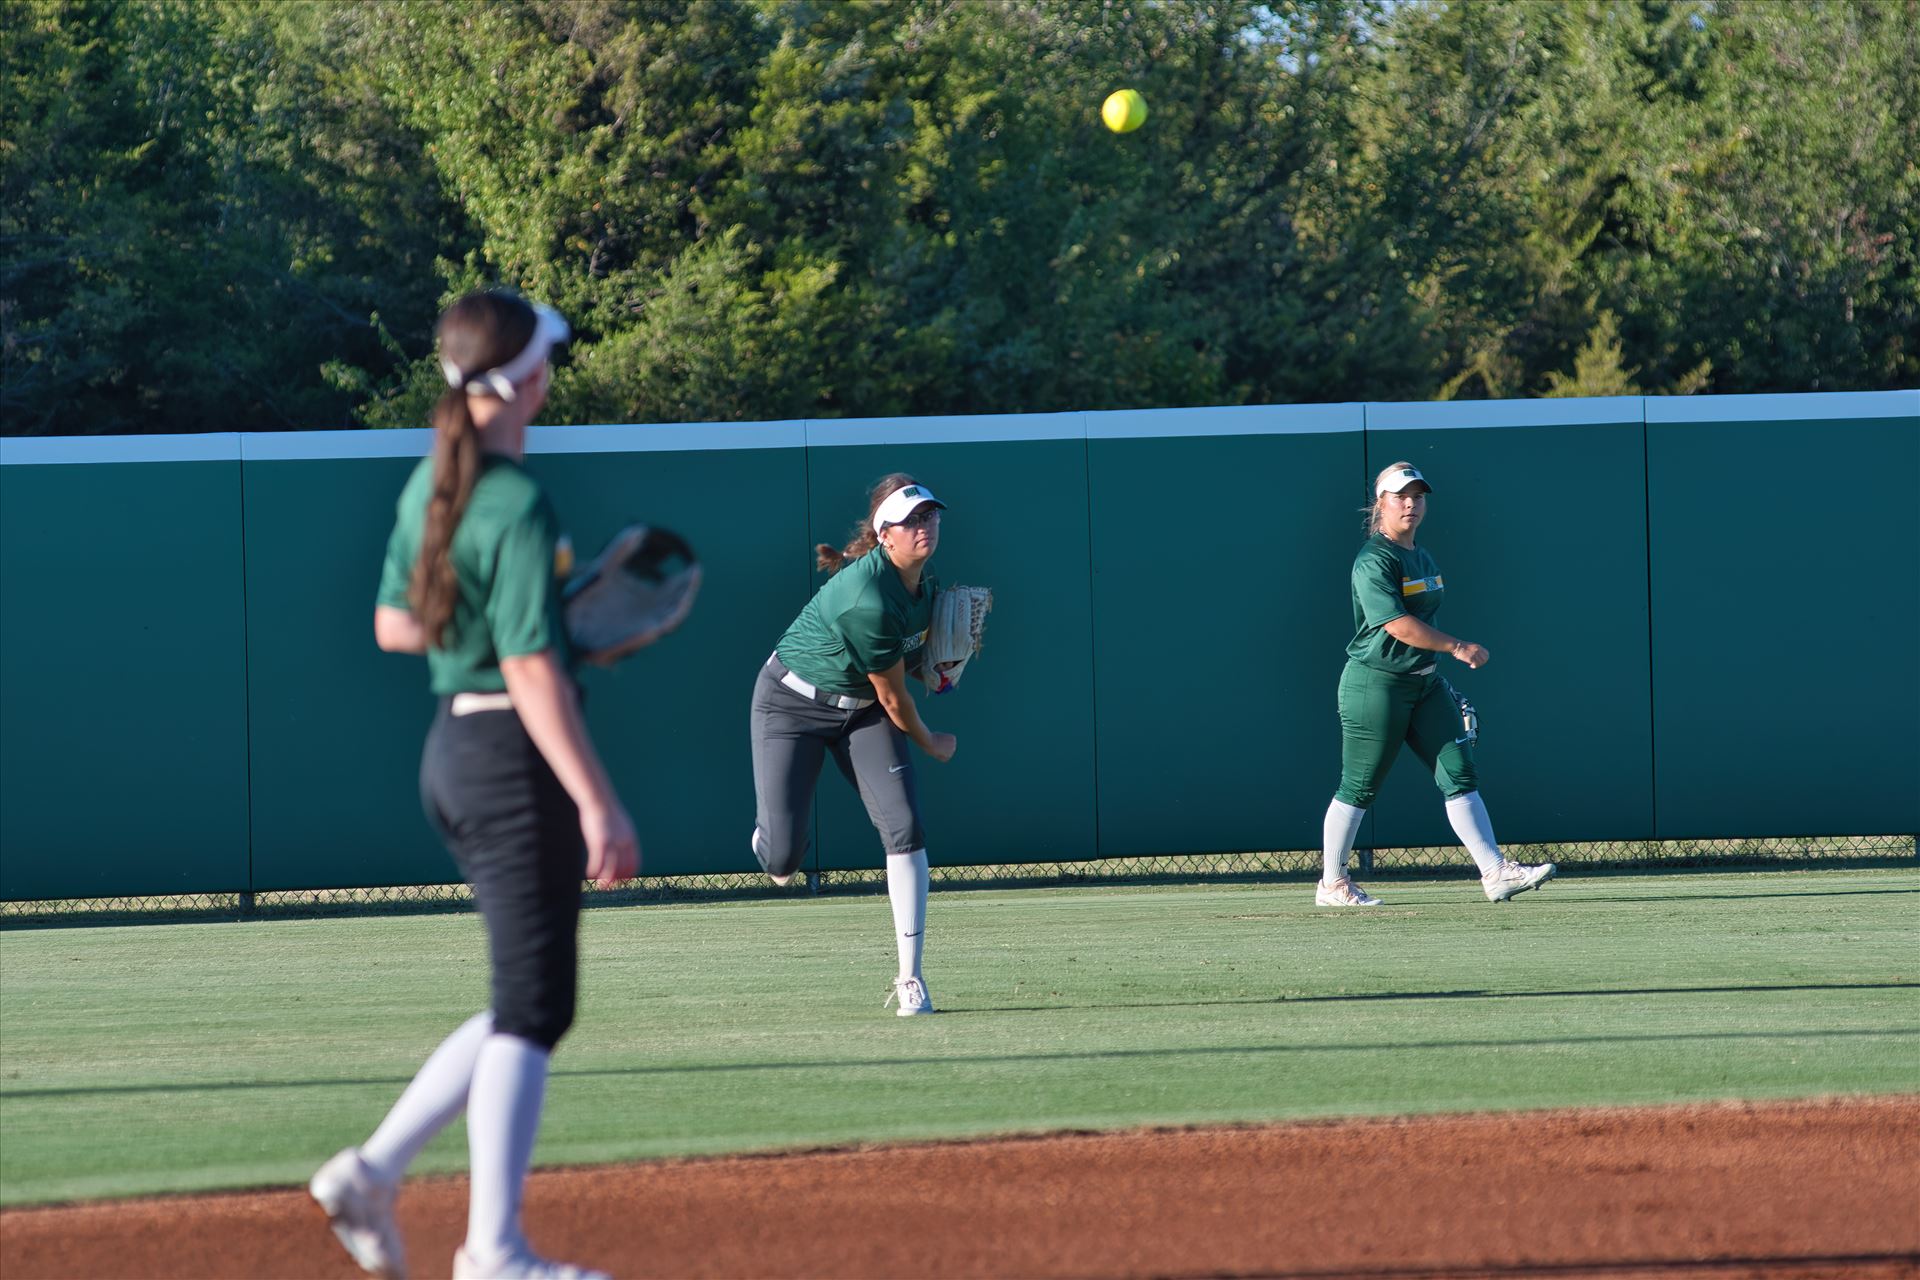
[{"x": 192, "y": 1056}]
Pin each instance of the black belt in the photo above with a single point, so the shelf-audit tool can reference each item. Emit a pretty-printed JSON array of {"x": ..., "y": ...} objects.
[{"x": 838, "y": 701}]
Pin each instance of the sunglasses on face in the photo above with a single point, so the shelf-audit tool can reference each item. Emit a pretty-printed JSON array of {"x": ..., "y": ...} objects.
[{"x": 923, "y": 516}]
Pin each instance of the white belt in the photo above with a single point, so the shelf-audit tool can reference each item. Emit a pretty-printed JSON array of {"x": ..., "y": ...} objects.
[
  {"x": 842, "y": 701},
  {"x": 1424, "y": 671},
  {"x": 465, "y": 704}
]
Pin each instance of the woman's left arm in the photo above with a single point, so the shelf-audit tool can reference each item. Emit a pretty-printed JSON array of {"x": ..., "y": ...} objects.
[{"x": 397, "y": 630}]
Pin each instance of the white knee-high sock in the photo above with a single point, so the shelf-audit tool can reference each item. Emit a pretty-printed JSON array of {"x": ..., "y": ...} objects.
[
  {"x": 437, "y": 1094},
  {"x": 1337, "y": 833},
  {"x": 503, "y": 1119},
  {"x": 1468, "y": 814},
  {"x": 907, "y": 889}
]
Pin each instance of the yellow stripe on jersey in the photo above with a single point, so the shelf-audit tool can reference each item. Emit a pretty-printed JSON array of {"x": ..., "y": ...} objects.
[{"x": 1414, "y": 586}]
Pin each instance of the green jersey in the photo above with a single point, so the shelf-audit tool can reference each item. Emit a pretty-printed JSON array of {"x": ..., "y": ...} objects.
[
  {"x": 510, "y": 559},
  {"x": 1390, "y": 581},
  {"x": 863, "y": 620}
]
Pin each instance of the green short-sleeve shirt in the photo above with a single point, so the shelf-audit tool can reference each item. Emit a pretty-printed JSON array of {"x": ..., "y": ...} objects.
[
  {"x": 1390, "y": 581},
  {"x": 863, "y": 620},
  {"x": 510, "y": 558}
]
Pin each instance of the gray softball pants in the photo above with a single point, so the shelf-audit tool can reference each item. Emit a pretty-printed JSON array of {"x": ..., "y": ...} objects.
[{"x": 792, "y": 736}]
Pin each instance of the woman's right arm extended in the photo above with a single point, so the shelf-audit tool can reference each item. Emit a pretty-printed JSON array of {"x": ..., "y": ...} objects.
[
  {"x": 890, "y": 688},
  {"x": 543, "y": 695},
  {"x": 1409, "y": 630}
]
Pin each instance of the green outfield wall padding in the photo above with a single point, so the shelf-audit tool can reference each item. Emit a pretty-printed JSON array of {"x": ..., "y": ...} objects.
[
  {"x": 671, "y": 721},
  {"x": 1702, "y": 615},
  {"x": 336, "y": 724},
  {"x": 1020, "y": 787},
  {"x": 1220, "y": 614},
  {"x": 1540, "y": 533},
  {"x": 123, "y": 735},
  {"x": 1786, "y": 637}
]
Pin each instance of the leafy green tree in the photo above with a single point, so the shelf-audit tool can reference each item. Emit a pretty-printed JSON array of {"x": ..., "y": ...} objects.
[
  {"x": 221, "y": 214},
  {"x": 1597, "y": 370},
  {"x": 183, "y": 246},
  {"x": 1795, "y": 262}
]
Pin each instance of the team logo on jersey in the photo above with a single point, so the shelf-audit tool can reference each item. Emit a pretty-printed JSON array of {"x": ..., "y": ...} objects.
[
  {"x": 1416, "y": 586},
  {"x": 914, "y": 642},
  {"x": 563, "y": 557}
]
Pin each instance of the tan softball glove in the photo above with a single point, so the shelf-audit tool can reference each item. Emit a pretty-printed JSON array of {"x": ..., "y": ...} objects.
[{"x": 959, "y": 622}]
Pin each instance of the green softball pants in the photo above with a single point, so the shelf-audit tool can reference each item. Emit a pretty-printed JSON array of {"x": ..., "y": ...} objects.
[{"x": 1379, "y": 711}]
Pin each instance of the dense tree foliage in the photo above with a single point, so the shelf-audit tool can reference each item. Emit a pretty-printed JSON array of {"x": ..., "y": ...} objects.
[{"x": 238, "y": 216}]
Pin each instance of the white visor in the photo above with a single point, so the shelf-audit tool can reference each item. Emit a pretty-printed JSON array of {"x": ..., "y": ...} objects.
[
  {"x": 549, "y": 328},
  {"x": 1399, "y": 478},
  {"x": 900, "y": 504}
]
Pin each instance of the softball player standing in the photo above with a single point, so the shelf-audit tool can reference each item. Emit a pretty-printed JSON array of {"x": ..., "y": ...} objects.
[
  {"x": 837, "y": 683},
  {"x": 509, "y": 777},
  {"x": 1391, "y": 693}
]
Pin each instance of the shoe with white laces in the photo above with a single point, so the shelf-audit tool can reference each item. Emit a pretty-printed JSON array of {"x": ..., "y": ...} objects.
[
  {"x": 359, "y": 1207},
  {"x": 1516, "y": 877},
  {"x": 523, "y": 1265},
  {"x": 1343, "y": 893},
  {"x": 912, "y": 995}
]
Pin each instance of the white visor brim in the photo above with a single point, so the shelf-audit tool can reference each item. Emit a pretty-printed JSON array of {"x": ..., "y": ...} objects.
[
  {"x": 1400, "y": 478},
  {"x": 900, "y": 504}
]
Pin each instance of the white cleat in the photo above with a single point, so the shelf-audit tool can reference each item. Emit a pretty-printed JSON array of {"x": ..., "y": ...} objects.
[
  {"x": 1343, "y": 893},
  {"x": 912, "y": 995},
  {"x": 359, "y": 1208},
  {"x": 1516, "y": 877},
  {"x": 523, "y": 1265}
]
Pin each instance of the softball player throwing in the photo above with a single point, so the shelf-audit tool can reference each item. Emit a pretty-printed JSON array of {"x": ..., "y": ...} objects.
[
  {"x": 836, "y": 683},
  {"x": 509, "y": 777},
  {"x": 1391, "y": 693}
]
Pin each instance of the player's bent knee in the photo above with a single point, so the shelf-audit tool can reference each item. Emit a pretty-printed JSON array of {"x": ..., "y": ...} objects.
[
  {"x": 778, "y": 858},
  {"x": 543, "y": 1027},
  {"x": 1455, "y": 775},
  {"x": 1355, "y": 796}
]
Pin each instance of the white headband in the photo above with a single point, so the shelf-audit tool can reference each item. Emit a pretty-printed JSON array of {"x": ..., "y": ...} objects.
[
  {"x": 549, "y": 327},
  {"x": 1399, "y": 478},
  {"x": 900, "y": 504}
]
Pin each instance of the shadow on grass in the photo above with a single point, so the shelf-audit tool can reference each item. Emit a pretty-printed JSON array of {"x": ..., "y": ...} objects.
[
  {"x": 833, "y": 883},
  {"x": 1396, "y": 996},
  {"x": 1006, "y": 1059}
]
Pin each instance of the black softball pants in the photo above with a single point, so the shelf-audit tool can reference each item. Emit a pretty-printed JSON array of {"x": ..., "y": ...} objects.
[{"x": 515, "y": 834}]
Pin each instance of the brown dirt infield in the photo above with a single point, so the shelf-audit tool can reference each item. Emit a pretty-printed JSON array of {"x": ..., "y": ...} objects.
[{"x": 1805, "y": 1189}]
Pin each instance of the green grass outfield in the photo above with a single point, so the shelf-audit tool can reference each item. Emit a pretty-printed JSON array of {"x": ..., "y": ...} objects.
[{"x": 188, "y": 1056}]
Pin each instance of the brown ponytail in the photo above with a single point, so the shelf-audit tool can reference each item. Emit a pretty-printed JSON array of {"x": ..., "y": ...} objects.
[
  {"x": 477, "y": 333},
  {"x": 456, "y": 465},
  {"x": 865, "y": 538}
]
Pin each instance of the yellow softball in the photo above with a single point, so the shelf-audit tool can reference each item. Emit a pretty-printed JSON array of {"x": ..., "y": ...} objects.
[{"x": 1124, "y": 111}]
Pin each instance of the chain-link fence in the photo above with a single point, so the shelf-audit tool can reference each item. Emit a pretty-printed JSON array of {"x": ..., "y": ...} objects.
[{"x": 1218, "y": 868}]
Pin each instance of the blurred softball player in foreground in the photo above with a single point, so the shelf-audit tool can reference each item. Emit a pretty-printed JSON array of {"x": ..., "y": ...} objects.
[
  {"x": 1391, "y": 693},
  {"x": 837, "y": 682},
  {"x": 508, "y": 776}
]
